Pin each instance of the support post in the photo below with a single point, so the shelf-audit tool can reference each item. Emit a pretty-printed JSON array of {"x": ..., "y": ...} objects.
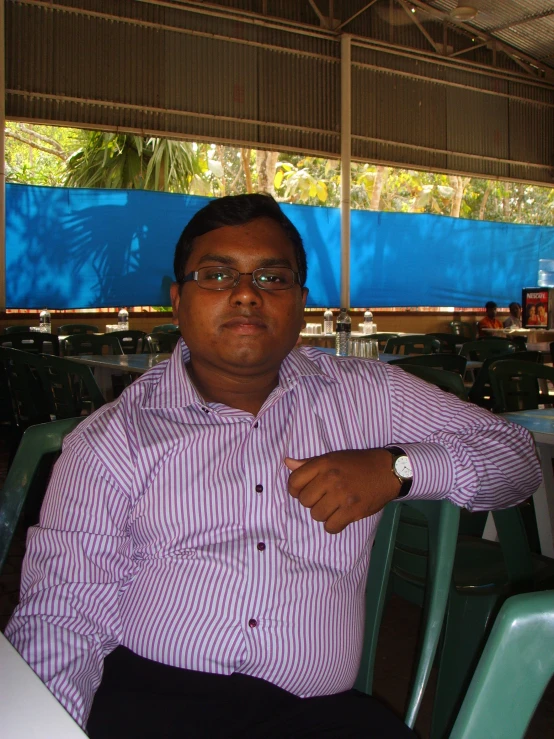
[
  {"x": 345, "y": 154},
  {"x": 2, "y": 163}
]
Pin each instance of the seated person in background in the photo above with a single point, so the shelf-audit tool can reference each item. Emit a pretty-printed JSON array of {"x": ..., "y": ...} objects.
[
  {"x": 200, "y": 563},
  {"x": 490, "y": 320},
  {"x": 514, "y": 319}
]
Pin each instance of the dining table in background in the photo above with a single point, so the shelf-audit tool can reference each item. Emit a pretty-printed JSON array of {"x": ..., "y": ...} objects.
[
  {"x": 541, "y": 425},
  {"x": 106, "y": 365}
]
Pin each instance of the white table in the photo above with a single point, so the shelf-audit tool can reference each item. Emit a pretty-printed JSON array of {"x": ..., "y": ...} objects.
[
  {"x": 541, "y": 425},
  {"x": 105, "y": 365},
  {"x": 28, "y": 710}
]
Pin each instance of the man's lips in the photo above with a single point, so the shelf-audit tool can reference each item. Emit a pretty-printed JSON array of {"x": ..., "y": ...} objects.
[{"x": 245, "y": 324}]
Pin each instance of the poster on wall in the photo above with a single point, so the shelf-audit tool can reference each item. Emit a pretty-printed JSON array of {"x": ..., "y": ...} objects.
[{"x": 537, "y": 304}]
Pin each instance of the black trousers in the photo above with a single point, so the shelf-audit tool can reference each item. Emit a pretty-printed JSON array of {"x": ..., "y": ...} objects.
[{"x": 142, "y": 699}]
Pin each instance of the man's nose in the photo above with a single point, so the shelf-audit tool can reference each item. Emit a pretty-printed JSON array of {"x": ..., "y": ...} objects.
[{"x": 246, "y": 291}]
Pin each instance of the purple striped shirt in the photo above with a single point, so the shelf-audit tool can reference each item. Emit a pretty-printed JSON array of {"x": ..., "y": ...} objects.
[{"x": 167, "y": 526}]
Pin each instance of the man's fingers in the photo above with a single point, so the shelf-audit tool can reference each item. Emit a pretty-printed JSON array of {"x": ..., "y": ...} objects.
[
  {"x": 294, "y": 464},
  {"x": 324, "y": 508}
]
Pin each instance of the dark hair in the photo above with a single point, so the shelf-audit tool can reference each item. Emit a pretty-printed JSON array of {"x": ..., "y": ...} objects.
[
  {"x": 236, "y": 210},
  {"x": 491, "y": 304},
  {"x": 513, "y": 307}
]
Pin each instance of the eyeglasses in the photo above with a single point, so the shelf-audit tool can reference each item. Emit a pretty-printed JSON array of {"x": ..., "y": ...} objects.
[{"x": 226, "y": 278}]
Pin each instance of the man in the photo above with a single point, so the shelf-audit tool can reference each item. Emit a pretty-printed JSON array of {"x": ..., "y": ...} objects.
[
  {"x": 208, "y": 534},
  {"x": 514, "y": 319},
  {"x": 490, "y": 320}
]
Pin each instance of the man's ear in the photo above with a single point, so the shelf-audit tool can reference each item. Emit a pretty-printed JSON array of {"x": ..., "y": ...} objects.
[
  {"x": 175, "y": 294},
  {"x": 305, "y": 292}
]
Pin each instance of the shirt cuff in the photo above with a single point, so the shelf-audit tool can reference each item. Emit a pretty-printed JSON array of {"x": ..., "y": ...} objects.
[{"x": 433, "y": 470}]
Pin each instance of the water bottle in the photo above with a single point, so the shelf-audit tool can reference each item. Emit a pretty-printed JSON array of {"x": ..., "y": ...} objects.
[
  {"x": 343, "y": 333},
  {"x": 123, "y": 320},
  {"x": 328, "y": 322},
  {"x": 45, "y": 321},
  {"x": 368, "y": 327}
]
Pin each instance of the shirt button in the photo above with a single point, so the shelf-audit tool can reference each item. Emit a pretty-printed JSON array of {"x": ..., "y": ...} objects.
[
  {"x": 252, "y": 623},
  {"x": 259, "y": 488},
  {"x": 261, "y": 546},
  {"x": 206, "y": 410},
  {"x": 256, "y": 425}
]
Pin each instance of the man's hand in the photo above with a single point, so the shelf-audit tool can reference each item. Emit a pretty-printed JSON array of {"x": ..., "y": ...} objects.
[{"x": 342, "y": 487}]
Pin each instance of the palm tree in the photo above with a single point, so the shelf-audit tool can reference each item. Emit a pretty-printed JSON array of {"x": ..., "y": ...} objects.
[{"x": 125, "y": 161}]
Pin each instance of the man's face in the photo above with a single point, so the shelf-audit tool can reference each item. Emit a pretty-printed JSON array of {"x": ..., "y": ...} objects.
[
  {"x": 491, "y": 312},
  {"x": 244, "y": 330}
]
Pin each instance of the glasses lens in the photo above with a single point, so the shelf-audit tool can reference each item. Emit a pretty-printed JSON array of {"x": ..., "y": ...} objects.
[
  {"x": 217, "y": 278},
  {"x": 274, "y": 278}
]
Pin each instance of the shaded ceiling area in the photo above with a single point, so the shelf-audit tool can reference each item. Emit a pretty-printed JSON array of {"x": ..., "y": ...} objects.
[{"x": 432, "y": 87}]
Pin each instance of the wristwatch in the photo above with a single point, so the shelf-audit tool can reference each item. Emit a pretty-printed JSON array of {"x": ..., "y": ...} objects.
[{"x": 402, "y": 468}]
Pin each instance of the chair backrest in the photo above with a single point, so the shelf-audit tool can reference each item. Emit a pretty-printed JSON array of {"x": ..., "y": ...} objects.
[
  {"x": 129, "y": 340},
  {"x": 32, "y": 341},
  {"x": 16, "y": 329},
  {"x": 440, "y": 546},
  {"x": 381, "y": 338},
  {"x": 78, "y": 328},
  {"x": 520, "y": 385},
  {"x": 86, "y": 344},
  {"x": 450, "y": 343},
  {"x": 70, "y": 386},
  {"x": 450, "y": 362},
  {"x": 513, "y": 672},
  {"x": 464, "y": 328},
  {"x": 165, "y": 327},
  {"x": 160, "y": 342},
  {"x": 481, "y": 349},
  {"x": 28, "y": 400},
  {"x": 450, "y": 382},
  {"x": 412, "y": 344},
  {"x": 36, "y": 442},
  {"x": 482, "y": 393}
]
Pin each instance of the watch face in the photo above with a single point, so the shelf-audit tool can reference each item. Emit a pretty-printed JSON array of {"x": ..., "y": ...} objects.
[{"x": 403, "y": 468}]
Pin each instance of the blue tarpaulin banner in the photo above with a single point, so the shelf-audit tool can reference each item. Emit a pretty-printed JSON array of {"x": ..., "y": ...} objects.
[{"x": 80, "y": 248}]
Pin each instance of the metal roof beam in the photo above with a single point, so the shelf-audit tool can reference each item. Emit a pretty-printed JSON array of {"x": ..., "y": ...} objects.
[
  {"x": 416, "y": 21},
  {"x": 522, "y": 21}
]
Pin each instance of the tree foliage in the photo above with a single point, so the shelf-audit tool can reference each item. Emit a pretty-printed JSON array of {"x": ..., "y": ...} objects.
[{"x": 48, "y": 155}]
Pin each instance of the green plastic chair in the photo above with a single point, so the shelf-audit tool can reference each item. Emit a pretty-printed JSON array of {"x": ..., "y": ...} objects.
[
  {"x": 440, "y": 361},
  {"x": 36, "y": 443},
  {"x": 85, "y": 344},
  {"x": 16, "y": 329},
  {"x": 71, "y": 387},
  {"x": 129, "y": 340},
  {"x": 450, "y": 343},
  {"x": 481, "y": 349},
  {"x": 29, "y": 403},
  {"x": 33, "y": 342},
  {"x": 464, "y": 328},
  {"x": 160, "y": 342},
  {"x": 165, "y": 328},
  {"x": 481, "y": 392},
  {"x": 513, "y": 672},
  {"x": 381, "y": 338},
  {"x": 439, "y": 547},
  {"x": 520, "y": 386},
  {"x": 485, "y": 574},
  {"x": 412, "y": 344},
  {"x": 70, "y": 329}
]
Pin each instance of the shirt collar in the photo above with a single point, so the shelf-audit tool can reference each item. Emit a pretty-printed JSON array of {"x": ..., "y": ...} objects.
[{"x": 175, "y": 389}]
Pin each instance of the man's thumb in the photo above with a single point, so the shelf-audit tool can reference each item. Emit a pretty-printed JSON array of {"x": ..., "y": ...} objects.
[{"x": 294, "y": 464}]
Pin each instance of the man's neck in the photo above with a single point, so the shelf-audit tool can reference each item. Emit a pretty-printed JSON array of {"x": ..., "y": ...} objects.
[{"x": 247, "y": 393}]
